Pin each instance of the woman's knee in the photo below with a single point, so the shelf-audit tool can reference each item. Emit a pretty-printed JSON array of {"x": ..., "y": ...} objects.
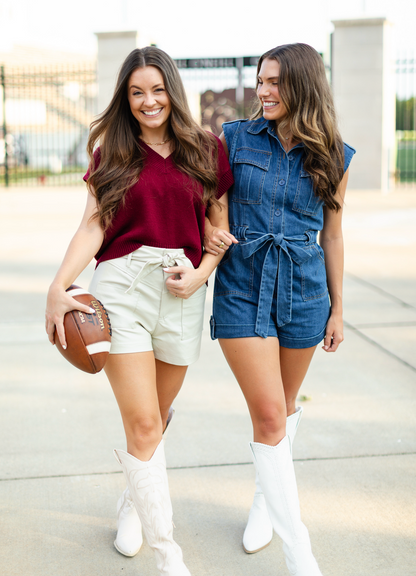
[
  {"x": 144, "y": 431},
  {"x": 270, "y": 421}
]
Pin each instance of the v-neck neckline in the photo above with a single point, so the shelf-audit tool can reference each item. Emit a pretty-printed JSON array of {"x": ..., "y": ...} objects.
[{"x": 154, "y": 151}]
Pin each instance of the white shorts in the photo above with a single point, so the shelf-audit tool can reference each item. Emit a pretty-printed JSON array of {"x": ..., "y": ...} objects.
[{"x": 144, "y": 315}]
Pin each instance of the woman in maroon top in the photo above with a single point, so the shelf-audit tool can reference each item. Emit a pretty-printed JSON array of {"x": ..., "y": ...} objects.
[{"x": 152, "y": 181}]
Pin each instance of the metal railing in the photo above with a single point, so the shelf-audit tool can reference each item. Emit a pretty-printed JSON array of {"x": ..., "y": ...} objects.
[
  {"x": 46, "y": 113},
  {"x": 44, "y": 123}
]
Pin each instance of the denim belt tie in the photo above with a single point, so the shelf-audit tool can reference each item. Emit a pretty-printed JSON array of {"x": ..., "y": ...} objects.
[{"x": 278, "y": 262}]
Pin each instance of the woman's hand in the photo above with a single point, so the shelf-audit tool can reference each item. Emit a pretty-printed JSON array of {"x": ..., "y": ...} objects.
[
  {"x": 217, "y": 240},
  {"x": 334, "y": 333},
  {"x": 185, "y": 281},
  {"x": 85, "y": 243},
  {"x": 58, "y": 304}
]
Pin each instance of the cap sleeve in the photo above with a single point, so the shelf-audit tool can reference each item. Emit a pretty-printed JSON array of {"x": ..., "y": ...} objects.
[
  {"x": 97, "y": 158},
  {"x": 224, "y": 174},
  {"x": 348, "y": 154}
]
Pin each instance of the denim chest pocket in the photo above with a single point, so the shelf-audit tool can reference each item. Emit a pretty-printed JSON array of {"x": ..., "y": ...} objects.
[
  {"x": 250, "y": 169},
  {"x": 306, "y": 201}
]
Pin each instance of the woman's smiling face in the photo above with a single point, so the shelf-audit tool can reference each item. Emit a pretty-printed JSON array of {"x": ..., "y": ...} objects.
[
  {"x": 268, "y": 90},
  {"x": 148, "y": 99}
]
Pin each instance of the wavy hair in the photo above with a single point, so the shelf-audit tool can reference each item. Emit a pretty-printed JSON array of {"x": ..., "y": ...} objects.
[
  {"x": 122, "y": 157},
  {"x": 311, "y": 117}
]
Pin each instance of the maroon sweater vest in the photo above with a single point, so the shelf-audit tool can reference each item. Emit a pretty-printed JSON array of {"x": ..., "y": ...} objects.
[{"x": 162, "y": 210}]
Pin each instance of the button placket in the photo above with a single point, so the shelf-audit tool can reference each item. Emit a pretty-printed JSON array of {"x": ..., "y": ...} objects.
[
  {"x": 283, "y": 185},
  {"x": 280, "y": 195}
]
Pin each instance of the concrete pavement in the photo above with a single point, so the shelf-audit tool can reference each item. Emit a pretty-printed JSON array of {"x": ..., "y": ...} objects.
[{"x": 355, "y": 450}]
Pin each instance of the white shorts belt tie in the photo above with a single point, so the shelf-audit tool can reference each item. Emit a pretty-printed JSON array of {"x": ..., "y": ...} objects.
[
  {"x": 166, "y": 261},
  {"x": 145, "y": 316}
]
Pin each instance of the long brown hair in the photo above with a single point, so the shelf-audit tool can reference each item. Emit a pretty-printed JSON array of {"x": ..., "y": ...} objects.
[
  {"x": 117, "y": 131},
  {"x": 311, "y": 117}
]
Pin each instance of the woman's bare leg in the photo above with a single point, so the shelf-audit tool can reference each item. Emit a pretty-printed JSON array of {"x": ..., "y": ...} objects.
[
  {"x": 294, "y": 364},
  {"x": 270, "y": 377},
  {"x": 169, "y": 380},
  {"x": 261, "y": 367},
  {"x": 255, "y": 363},
  {"x": 144, "y": 389},
  {"x": 135, "y": 379}
]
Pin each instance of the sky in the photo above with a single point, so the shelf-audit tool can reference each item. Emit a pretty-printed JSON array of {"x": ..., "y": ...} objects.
[{"x": 190, "y": 28}]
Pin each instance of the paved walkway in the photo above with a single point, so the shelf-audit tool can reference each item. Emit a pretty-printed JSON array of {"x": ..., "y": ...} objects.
[{"x": 355, "y": 450}]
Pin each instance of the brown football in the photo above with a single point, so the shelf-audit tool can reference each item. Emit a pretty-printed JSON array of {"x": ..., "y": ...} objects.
[{"x": 88, "y": 336}]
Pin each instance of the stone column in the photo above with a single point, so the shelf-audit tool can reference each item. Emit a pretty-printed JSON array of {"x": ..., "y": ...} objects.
[
  {"x": 113, "y": 47},
  {"x": 363, "y": 80}
]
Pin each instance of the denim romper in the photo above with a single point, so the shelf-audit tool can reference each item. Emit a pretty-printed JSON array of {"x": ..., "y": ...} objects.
[{"x": 273, "y": 282}]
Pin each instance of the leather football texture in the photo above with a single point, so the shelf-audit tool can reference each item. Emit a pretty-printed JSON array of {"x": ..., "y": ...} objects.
[{"x": 88, "y": 336}]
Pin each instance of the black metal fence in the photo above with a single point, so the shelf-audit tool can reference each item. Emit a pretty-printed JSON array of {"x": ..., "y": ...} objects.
[
  {"x": 46, "y": 113},
  {"x": 44, "y": 121}
]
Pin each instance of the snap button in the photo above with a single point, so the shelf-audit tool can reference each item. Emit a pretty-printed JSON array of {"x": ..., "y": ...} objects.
[
  {"x": 282, "y": 182},
  {"x": 277, "y": 213}
]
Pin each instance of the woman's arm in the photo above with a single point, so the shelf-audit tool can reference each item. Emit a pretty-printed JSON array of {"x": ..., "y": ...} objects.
[
  {"x": 332, "y": 244},
  {"x": 82, "y": 248},
  {"x": 192, "y": 279},
  {"x": 217, "y": 238}
]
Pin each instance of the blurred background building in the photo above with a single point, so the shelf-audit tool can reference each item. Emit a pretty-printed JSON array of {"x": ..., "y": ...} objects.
[{"x": 49, "y": 97}]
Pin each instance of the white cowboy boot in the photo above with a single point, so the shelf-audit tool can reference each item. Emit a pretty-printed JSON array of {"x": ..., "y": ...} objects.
[
  {"x": 259, "y": 530},
  {"x": 129, "y": 537},
  {"x": 277, "y": 478},
  {"x": 149, "y": 489}
]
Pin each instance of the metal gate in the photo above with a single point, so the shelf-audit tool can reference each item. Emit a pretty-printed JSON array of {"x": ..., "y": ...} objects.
[
  {"x": 46, "y": 113},
  {"x": 44, "y": 122}
]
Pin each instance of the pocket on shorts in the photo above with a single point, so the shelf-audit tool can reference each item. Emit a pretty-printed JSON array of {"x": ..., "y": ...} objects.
[
  {"x": 193, "y": 314},
  {"x": 109, "y": 284},
  {"x": 313, "y": 275},
  {"x": 235, "y": 275},
  {"x": 107, "y": 273}
]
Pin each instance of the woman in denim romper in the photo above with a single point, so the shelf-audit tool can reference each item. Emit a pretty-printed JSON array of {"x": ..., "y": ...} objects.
[{"x": 271, "y": 300}]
